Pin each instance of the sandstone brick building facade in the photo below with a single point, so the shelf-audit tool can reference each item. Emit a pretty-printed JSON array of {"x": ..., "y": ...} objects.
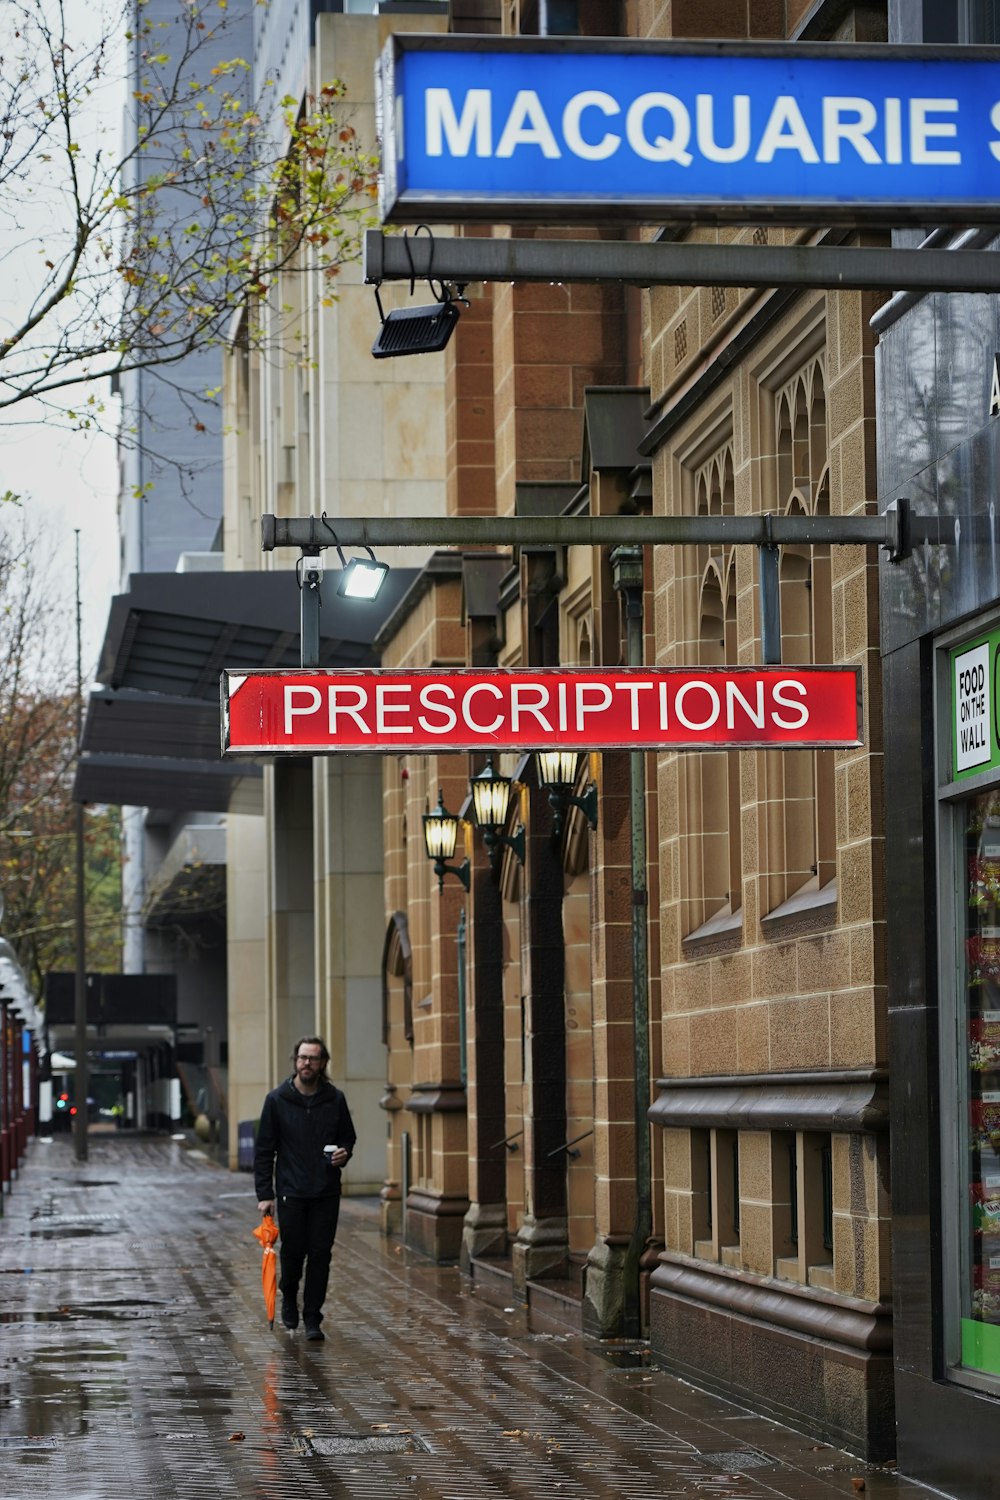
[
  {"x": 637, "y": 1079},
  {"x": 748, "y": 1233}
]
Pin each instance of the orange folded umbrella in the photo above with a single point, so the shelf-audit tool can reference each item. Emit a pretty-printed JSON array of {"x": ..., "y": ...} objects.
[{"x": 267, "y": 1233}]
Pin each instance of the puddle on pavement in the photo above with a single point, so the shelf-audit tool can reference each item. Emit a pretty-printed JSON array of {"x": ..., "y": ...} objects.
[
  {"x": 122, "y": 1309},
  {"x": 87, "y": 1182},
  {"x": 47, "y": 1223},
  {"x": 72, "y": 1232},
  {"x": 52, "y": 1396}
]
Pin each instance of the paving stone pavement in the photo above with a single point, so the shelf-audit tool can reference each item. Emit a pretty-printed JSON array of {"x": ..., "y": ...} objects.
[{"x": 136, "y": 1361}]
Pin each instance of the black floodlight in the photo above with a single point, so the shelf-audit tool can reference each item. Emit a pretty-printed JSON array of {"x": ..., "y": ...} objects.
[
  {"x": 362, "y": 577},
  {"x": 414, "y": 330}
]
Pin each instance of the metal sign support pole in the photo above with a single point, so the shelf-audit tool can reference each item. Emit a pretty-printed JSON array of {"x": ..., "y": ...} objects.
[
  {"x": 770, "y": 605},
  {"x": 678, "y": 263},
  {"x": 312, "y": 533},
  {"x": 310, "y": 578}
]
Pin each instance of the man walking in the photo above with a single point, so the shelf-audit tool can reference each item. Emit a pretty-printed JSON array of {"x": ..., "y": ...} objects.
[{"x": 306, "y": 1124}]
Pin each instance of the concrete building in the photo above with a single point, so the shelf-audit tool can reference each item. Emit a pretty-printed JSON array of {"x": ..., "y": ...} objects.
[
  {"x": 173, "y": 828},
  {"x": 195, "y": 828},
  {"x": 320, "y": 428}
]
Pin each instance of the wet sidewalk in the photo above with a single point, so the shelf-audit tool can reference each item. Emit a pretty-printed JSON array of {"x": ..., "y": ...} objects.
[{"x": 135, "y": 1361}]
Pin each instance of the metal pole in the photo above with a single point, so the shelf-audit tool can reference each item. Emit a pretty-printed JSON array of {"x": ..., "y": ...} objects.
[
  {"x": 404, "y": 1180},
  {"x": 311, "y": 577},
  {"x": 311, "y": 535},
  {"x": 770, "y": 605},
  {"x": 81, "y": 1081},
  {"x": 628, "y": 566},
  {"x": 677, "y": 263}
]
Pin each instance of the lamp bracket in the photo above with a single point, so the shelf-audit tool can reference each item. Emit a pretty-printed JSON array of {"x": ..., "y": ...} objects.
[
  {"x": 418, "y": 330},
  {"x": 560, "y": 799},
  {"x": 462, "y": 872},
  {"x": 495, "y": 841}
]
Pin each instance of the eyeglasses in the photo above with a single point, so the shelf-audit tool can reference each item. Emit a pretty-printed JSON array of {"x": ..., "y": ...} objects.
[{"x": 316, "y": 1057}]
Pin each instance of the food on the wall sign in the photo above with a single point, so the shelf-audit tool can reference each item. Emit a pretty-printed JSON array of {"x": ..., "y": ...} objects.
[{"x": 383, "y": 711}]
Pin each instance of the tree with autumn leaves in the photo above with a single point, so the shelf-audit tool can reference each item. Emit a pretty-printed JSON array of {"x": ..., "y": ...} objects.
[
  {"x": 123, "y": 259},
  {"x": 38, "y": 739},
  {"x": 113, "y": 260}
]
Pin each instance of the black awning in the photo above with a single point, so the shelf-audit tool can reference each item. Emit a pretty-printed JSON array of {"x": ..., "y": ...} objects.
[
  {"x": 614, "y": 424},
  {"x": 151, "y": 736},
  {"x": 128, "y": 722},
  {"x": 113, "y": 999},
  {"x": 161, "y": 781},
  {"x": 173, "y": 633}
]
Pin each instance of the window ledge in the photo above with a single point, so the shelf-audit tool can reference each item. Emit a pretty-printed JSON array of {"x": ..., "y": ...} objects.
[
  {"x": 822, "y": 1277},
  {"x": 811, "y": 908},
  {"x": 722, "y": 931},
  {"x": 786, "y": 1268}
]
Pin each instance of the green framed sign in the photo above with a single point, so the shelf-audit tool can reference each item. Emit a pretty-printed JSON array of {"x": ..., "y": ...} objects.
[{"x": 975, "y": 706}]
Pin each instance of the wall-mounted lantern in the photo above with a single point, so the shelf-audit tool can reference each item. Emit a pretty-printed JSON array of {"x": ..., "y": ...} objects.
[
  {"x": 440, "y": 838},
  {"x": 557, "y": 773},
  {"x": 491, "y": 793}
]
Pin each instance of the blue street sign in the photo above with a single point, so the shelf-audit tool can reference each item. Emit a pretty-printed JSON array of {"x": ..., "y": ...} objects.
[{"x": 492, "y": 128}]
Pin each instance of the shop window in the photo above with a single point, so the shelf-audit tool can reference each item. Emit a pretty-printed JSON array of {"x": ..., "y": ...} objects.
[{"x": 976, "y": 1341}]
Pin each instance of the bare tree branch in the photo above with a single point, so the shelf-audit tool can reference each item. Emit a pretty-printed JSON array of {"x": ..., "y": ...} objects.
[{"x": 146, "y": 251}]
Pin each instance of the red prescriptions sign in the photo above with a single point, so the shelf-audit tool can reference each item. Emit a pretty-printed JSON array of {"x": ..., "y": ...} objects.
[{"x": 321, "y": 712}]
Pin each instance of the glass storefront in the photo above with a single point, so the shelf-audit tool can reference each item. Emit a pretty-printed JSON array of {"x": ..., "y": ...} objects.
[
  {"x": 970, "y": 1007},
  {"x": 979, "y": 1081}
]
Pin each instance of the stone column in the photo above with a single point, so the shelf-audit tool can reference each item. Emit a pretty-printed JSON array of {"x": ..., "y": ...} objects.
[
  {"x": 291, "y": 973},
  {"x": 614, "y": 1083},
  {"x": 542, "y": 1244},
  {"x": 485, "y": 1230}
]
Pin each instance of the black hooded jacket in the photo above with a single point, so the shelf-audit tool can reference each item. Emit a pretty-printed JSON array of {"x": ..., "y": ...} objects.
[{"x": 295, "y": 1127}]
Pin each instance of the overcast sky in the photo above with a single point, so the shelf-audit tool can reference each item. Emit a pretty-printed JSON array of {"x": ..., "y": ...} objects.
[
  {"x": 66, "y": 480},
  {"x": 69, "y": 480}
]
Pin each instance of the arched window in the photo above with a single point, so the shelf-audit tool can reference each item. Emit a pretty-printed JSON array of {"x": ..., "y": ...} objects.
[
  {"x": 800, "y": 820},
  {"x": 711, "y": 838}
]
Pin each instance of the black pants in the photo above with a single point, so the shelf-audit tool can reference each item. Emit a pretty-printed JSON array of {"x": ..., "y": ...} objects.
[{"x": 308, "y": 1228}]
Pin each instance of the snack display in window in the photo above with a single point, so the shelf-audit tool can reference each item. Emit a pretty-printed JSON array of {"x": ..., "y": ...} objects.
[{"x": 981, "y": 1012}]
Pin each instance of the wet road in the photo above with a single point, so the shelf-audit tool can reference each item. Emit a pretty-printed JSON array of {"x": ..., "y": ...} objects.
[{"x": 135, "y": 1361}]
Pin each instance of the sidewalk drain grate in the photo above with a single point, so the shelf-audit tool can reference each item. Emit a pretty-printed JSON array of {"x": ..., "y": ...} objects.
[
  {"x": 734, "y": 1463},
  {"x": 347, "y": 1447},
  {"x": 26, "y": 1444}
]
